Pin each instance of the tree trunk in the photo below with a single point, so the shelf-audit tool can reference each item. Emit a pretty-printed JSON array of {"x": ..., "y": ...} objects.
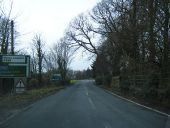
[{"x": 152, "y": 49}]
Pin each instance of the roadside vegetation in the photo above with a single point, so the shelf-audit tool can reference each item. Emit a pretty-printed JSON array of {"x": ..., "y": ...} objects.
[
  {"x": 73, "y": 81},
  {"x": 128, "y": 41},
  {"x": 20, "y": 100},
  {"x": 45, "y": 62},
  {"x": 11, "y": 104}
]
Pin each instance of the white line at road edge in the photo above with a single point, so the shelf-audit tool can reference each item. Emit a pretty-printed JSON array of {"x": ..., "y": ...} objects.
[{"x": 162, "y": 113}]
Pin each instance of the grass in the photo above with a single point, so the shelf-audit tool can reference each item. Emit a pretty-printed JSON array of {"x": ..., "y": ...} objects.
[
  {"x": 164, "y": 107},
  {"x": 20, "y": 100},
  {"x": 12, "y": 102},
  {"x": 73, "y": 81}
]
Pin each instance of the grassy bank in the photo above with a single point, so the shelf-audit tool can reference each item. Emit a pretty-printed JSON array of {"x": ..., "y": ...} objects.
[
  {"x": 20, "y": 100},
  {"x": 156, "y": 105}
]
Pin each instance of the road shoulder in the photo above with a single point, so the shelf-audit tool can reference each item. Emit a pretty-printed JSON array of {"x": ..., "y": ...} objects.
[
  {"x": 136, "y": 103},
  {"x": 12, "y": 105}
]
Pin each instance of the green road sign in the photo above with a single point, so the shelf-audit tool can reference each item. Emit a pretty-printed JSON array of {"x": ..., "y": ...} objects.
[{"x": 14, "y": 66}]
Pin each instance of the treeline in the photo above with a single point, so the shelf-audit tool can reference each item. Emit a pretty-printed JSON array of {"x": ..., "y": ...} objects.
[
  {"x": 129, "y": 39},
  {"x": 84, "y": 74},
  {"x": 48, "y": 61},
  {"x": 44, "y": 61}
]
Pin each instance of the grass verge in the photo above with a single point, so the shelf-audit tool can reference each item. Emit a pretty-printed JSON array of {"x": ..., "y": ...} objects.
[
  {"x": 140, "y": 100},
  {"x": 12, "y": 102},
  {"x": 73, "y": 81}
]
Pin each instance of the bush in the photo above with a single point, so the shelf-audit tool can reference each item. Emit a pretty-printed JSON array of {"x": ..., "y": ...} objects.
[
  {"x": 107, "y": 80},
  {"x": 65, "y": 82},
  {"x": 124, "y": 84},
  {"x": 33, "y": 83},
  {"x": 167, "y": 93},
  {"x": 99, "y": 80},
  {"x": 45, "y": 81}
]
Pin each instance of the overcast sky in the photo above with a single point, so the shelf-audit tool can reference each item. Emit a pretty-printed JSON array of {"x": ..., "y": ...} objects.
[{"x": 50, "y": 18}]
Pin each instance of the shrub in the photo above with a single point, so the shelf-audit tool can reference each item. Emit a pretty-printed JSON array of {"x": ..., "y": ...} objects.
[
  {"x": 99, "y": 80},
  {"x": 33, "y": 83},
  {"x": 107, "y": 80},
  {"x": 124, "y": 84}
]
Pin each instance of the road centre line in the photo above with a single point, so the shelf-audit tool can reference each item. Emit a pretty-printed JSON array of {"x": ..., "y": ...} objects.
[
  {"x": 152, "y": 109},
  {"x": 107, "y": 125},
  {"x": 91, "y": 102},
  {"x": 86, "y": 91}
]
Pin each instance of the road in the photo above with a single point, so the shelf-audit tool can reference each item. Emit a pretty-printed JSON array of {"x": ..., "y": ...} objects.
[{"x": 86, "y": 106}]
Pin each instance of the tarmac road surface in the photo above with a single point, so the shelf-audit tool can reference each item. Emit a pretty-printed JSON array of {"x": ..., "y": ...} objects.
[{"x": 84, "y": 105}]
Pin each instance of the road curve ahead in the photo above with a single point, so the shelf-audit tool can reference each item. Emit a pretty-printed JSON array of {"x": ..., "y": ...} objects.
[{"x": 86, "y": 106}]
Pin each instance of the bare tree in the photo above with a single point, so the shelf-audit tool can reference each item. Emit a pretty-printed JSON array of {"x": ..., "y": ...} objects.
[
  {"x": 34, "y": 62},
  {"x": 38, "y": 47},
  {"x": 64, "y": 56},
  {"x": 81, "y": 35},
  {"x": 166, "y": 26},
  {"x": 7, "y": 32},
  {"x": 51, "y": 61}
]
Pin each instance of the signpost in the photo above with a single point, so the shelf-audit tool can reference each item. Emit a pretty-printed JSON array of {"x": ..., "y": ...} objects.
[
  {"x": 17, "y": 67},
  {"x": 12, "y": 66}
]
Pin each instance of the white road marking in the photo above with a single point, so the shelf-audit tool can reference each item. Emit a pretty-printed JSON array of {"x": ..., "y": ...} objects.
[
  {"x": 157, "y": 111},
  {"x": 86, "y": 91},
  {"x": 91, "y": 102},
  {"x": 107, "y": 125},
  {"x": 168, "y": 122}
]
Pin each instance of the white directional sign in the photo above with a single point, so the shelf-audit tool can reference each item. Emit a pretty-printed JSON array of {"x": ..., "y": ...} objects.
[
  {"x": 12, "y": 66},
  {"x": 13, "y": 59}
]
